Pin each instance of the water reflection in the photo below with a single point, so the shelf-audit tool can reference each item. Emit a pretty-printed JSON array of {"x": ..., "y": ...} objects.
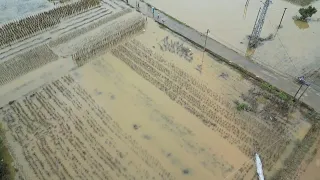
[
  {"x": 250, "y": 52},
  {"x": 14, "y": 9},
  {"x": 301, "y": 24}
]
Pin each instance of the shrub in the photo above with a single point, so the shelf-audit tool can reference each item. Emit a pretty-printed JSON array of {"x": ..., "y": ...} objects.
[
  {"x": 243, "y": 106},
  {"x": 307, "y": 12},
  {"x": 283, "y": 96},
  {"x": 268, "y": 87}
]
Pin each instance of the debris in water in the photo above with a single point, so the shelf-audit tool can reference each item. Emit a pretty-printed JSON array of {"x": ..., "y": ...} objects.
[
  {"x": 112, "y": 97},
  {"x": 186, "y": 171},
  {"x": 176, "y": 47},
  {"x": 136, "y": 127},
  {"x": 147, "y": 137},
  {"x": 224, "y": 75},
  {"x": 301, "y": 24}
]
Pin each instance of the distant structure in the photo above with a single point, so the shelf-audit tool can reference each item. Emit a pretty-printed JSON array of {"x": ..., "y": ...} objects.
[
  {"x": 255, "y": 35},
  {"x": 245, "y": 9}
]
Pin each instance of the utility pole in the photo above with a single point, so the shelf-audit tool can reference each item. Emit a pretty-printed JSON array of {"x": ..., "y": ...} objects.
[
  {"x": 298, "y": 91},
  {"x": 255, "y": 36},
  {"x": 245, "y": 9},
  {"x": 304, "y": 91},
  {"x": 199, "y": 68},
  {"x": 254, "y": 24},
  {"x": 152, "y": 12},
  {"x": 137, "y": 5},
  {"x": 281, "y": 19},
  {"x": 205, "y": 44},
  {"x": 302, "y": 81}
]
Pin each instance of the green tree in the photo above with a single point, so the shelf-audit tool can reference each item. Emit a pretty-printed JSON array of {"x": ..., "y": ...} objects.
[{"x": 307, "y": 12}]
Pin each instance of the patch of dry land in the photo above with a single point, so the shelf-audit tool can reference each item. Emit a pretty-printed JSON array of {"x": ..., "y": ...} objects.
[{"x": 105, "y": 93}]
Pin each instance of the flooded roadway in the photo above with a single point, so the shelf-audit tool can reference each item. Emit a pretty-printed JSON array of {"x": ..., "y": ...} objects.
[{"x": 293, "y": 51}]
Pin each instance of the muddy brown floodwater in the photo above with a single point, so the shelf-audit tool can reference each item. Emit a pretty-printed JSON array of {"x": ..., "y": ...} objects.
[
  {"x": 134, "y": 105},
  {"x": 312, "y": 170},
  {"x": 228, "y": 25}
]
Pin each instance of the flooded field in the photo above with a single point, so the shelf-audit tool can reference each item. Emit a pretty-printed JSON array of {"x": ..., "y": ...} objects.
[
  {"x": 294, "y": 50},
  {"x": 311, "y": 170},
  {"x": 16, "y": 9},
  {"x": 106, "y": 93}
]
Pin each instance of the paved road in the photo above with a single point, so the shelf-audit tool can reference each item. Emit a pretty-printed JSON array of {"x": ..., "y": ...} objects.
[{"x": 311, "y": 97}]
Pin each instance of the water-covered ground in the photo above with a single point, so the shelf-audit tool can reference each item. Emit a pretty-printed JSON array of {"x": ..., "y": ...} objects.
[
  {"x": 293, "y": 52},
  {"x": 15, "y": 9}
]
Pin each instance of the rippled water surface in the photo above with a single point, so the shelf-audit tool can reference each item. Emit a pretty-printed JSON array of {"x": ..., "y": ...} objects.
[
  {"x": 294, "y": 51},
  {"x": 13, "y": 9}
]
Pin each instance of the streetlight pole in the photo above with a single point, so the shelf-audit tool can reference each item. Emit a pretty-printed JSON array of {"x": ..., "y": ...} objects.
[
  {"x": 304, "y": 91},
  {"x": 302, "y": 81},
  {"x": 204, "y": 49},
  {"x": 298, "y": 91},
  {"x": 205, "y": 44},
  {"x": 281, "y": 19}
]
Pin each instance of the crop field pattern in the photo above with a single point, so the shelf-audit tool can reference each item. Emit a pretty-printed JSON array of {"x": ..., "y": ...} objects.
[
  {"x": 26, "y": 62},
  {"x": 76, "y": 138},
  {"x": 26, "y": 27},
  {"x": 111, "y": 38},
  {"x": 249, "y": 135},
  {"x": 94, "y": 90}
]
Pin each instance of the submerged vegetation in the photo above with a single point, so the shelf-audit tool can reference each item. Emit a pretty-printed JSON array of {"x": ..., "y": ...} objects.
[
  {"x": 301, "y": 2},
  {"x": 307, "y": 13},
  {"x": 280, "y": 94},
  {"x": 259, "y": 41},
  {"x": 242, "y": 106},
  {"x": 6, "y": 170}
]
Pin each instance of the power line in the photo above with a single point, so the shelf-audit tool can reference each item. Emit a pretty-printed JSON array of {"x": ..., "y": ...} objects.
[{"x": 285, "y": 49}]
